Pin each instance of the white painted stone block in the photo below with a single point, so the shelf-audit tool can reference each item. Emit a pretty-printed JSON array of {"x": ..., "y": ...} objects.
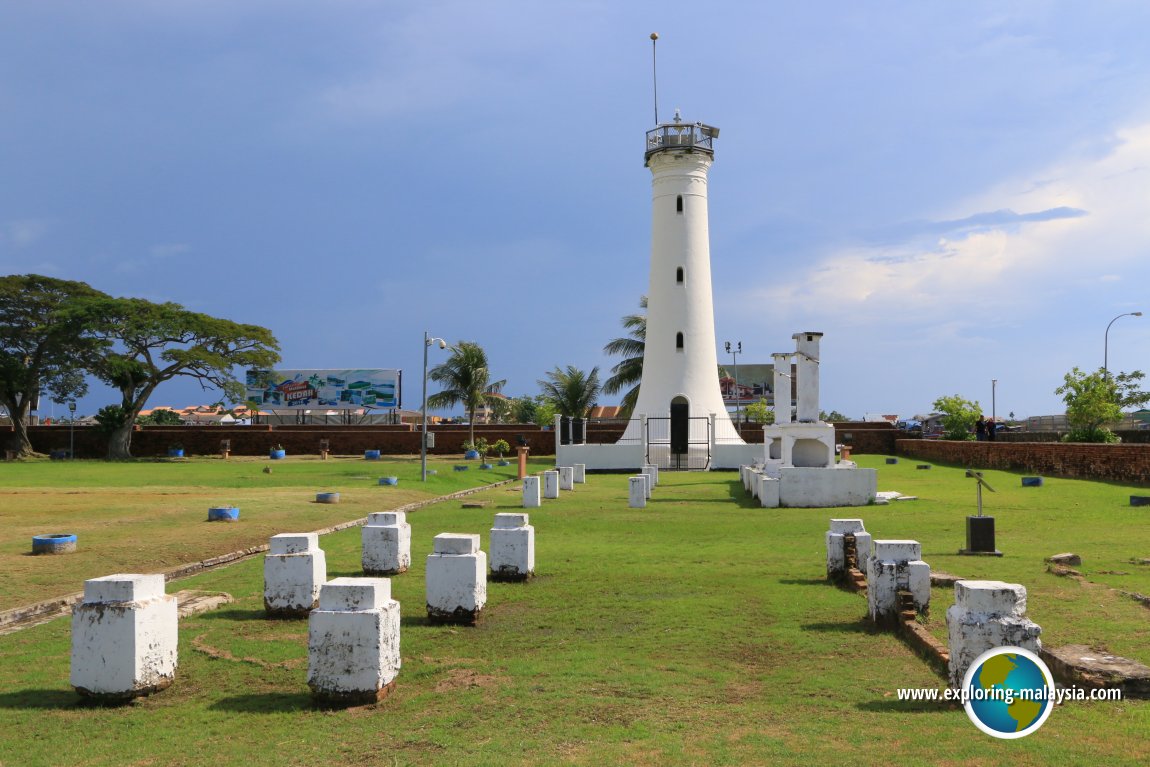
[
  {"x": 353, "y": 641},
  {"x": 566, "y": 478},
  {"x": 456, "y": 582},
  {"x": 836, "y": 546},
  {"x": 650, "y": 488},
  {"x": 456, "y": 543},
  {"x": 550, "y": 484},
  {"x": 580, "y": 473},
  {"x": 847, "y": 526},
  {"x": 863, "y": 548},
  {"x": 512, "y": 548},
  {"x": 768, "y": 491},
  {"x": 531, "y": 497},
  {"x": 637, "y": 491},
  {"x": 894, "y": 565},
  {"x": 294, "y": 570},
  {"x": 652, "y": 470},
  {"x": 386, "y": 540},
  {"x": 124, "y": 637},
  {"x": 986, "y": 614}
]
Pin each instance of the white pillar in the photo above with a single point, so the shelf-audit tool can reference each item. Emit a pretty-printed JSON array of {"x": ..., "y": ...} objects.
[
  {"x": 512, "y": 548},
  {"x": 124, "y": 636},
  {"x": 782, "y": 388},
  {"x": 836, "y": 546},
  {"x": 550, "y": 484},
  {"x": 386, "y": 542},
  {"x": 637, "y": 491},
  {"x": 566, "y": 478},
  {"x": 652, "y": 470},
  {"x": 807, "y": 372},
  {"x": 985, "y": 615},
  {"x": 580, "y": 473},
  {"x": 456, "y": 579},
  {"x": 896, "y": 565},
  {"x": 531, "y": 493},
  {"x": 294, "y": 569},
  {"x": 353, "y": 641}
]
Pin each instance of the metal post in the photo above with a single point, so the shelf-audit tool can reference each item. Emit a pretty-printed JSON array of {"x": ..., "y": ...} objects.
[
  {"x": 427, "y": 340},
  {"x": 993, "y": 400},
  {"x": 72, "y": 430}
]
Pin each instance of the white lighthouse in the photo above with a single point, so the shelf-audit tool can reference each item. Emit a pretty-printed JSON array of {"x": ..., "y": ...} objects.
[{"x": 680, "y": 404}]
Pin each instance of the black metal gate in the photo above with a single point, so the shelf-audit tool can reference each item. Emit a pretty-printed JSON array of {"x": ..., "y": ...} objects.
[{"x": 679, "y": 442}]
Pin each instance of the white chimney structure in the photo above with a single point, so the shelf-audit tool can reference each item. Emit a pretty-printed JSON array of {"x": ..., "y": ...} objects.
[{"x": 680, "y": 359}]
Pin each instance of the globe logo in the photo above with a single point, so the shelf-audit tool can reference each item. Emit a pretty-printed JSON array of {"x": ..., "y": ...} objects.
[{"x": 1008, "y": 692}]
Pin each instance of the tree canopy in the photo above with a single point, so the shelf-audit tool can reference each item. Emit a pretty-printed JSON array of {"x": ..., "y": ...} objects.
[
  {"x": 466, "y": 380},
  {"x": 43, "y": 348},
  {"x": 1096, "y": 399},
  {"x": 959, "y": 416},
  {"x": 148, "y": 343},
  {"x": 573, "y": 392}
]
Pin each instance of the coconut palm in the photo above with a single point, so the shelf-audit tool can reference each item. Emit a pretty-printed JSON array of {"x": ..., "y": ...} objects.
[
  {"x": 571, "y": 391},
  {"x": 466, "y": 380},
  {"x": 629, "y": 371}
]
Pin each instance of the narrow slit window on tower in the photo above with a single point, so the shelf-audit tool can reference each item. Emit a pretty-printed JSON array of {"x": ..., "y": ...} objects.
[
  {"x": 679, "y": 204},
  {"x": 679, "y": 275},
  {"x": 679, "y": 341}
]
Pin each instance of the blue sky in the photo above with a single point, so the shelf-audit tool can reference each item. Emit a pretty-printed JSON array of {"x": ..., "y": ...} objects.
[{"x": 951, "y": 192}]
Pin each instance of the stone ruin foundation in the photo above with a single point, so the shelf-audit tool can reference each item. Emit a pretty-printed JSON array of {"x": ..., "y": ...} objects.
[
  {"x": 897, "y": 580},
  {"x": 294, "y": 569},
  {"x": 353, "y": 642},
  {"x": 456, "y": 579},
  {"x": 512, "y": 548},
  {"x": 386, "y": 542},
  {"x": 985, "y": 615},
  {"x": 848, "y": 547},
  {"x": 124, "y": 636}
]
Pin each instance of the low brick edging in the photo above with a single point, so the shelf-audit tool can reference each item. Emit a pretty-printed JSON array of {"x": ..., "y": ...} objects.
[
  {"x": 41, "y": 612},
  {"x": 1119, "y": 463}
]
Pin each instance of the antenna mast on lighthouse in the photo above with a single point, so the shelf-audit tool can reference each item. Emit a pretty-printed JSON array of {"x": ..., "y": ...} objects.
[{"x": 655, "y": 75}]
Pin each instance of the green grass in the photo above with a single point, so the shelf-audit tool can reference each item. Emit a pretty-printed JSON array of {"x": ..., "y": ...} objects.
[
  {"x": 151, "y": 516},
  {"x": 697, "y": 631}
]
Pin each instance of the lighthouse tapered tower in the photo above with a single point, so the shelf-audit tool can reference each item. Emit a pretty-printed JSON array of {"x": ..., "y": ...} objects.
[{"x": 680, "y": 363}]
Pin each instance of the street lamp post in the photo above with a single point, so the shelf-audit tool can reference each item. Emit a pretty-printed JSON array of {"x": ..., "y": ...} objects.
[
  {"x": 1106, "y": 342},
  {"x": 72, "y": 430},
  {"x": 427, "y": 341},
  {"x": 994, "y": 400},
  {"x": 735, "y": 352}
]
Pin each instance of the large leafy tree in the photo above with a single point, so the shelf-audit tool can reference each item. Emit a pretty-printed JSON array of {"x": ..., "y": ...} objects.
[
  {"x": 573, "y": 392},
  {"x": 43, "y": 346},
  {"x": 466, "y": 380},
  {"x": 1096, "y": 399},
  {"x": 151, "y": 343},
  {"x": 628, "y": 373},
  {"x": 959, "y": 416}
]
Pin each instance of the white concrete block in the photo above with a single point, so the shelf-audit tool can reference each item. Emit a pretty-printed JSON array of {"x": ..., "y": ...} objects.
[
  {"x": 386, "y": 542},
  {"x": 768, "y": 491},
  {"x": 806, "y": 487},
  {"x": 293, "y": 543},
  {"x": 124, "y": 648},
  {"x": 123, "y": 587},
  {"x": 456, "y": 587},
  {"x": 566, "y": 478},
  {"x": 894, "y": 565},
  {"x": 292, "y": 579},
  {"x": 847, "y": 526},
  {"x": 353, "y": 641},
  {"x": 650, "y": 488},
  {"x": 652, "y": 470},
  {"x": 512, "y": 548},
  {"x": 891, "y": 550},
  {"x": 550, "y": 484},
  {"x": 531, "y": 497},
  {"x": 580, "y": 473},
  {"x": 637, "y": 492},
  {"x": 863, "y": 548},
  {"x": 986, "y": 614},
  {"x": 456, "y": 543}
]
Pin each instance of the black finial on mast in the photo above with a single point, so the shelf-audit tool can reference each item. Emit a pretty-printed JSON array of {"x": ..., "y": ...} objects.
[{"x": 654, "y": 76}]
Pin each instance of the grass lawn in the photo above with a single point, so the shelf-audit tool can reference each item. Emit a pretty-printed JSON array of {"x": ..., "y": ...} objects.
[{"x": 697, "y": 631}]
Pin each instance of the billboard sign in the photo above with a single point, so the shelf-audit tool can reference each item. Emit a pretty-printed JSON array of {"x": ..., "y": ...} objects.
[{"x": 350, "y": 389}]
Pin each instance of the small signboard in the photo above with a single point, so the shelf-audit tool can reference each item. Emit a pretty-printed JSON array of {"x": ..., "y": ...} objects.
[{"x": 343, "y": 389}]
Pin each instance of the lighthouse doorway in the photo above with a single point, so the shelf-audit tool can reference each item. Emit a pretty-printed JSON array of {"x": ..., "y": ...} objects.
[{"x": 679, "y": 442}]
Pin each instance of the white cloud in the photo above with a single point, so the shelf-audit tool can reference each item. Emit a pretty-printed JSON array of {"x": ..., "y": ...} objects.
[{"x": 1005, "y": 266}]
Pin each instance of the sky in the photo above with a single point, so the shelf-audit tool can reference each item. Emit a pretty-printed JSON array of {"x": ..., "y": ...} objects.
[{"x": 953, "y": 193}]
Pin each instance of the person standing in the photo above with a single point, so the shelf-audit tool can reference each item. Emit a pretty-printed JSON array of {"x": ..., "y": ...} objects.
[
  {"x": 991, "y": 428},
  {"x": 980, "y": 429}
]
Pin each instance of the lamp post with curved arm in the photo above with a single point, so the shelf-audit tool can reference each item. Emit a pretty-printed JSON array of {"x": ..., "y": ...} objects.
[
  {"x": 1106, "y": 342},
  {"x": 428, "y": 340}
]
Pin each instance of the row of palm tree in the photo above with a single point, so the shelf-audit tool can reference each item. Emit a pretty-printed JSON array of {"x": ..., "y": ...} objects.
[{"x": 466, "y": 377}]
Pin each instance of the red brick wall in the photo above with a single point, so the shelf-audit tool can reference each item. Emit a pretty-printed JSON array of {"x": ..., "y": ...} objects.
[{"x": 1120, "y": 463}]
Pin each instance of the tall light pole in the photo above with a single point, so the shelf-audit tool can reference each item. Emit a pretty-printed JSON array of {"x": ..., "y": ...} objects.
[
  {"x": 735, "y": 352},
  {"x": 427, "y": 341},
  {"x": 1106, "y": 342},
  {"x": 994, "y": 401}
]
